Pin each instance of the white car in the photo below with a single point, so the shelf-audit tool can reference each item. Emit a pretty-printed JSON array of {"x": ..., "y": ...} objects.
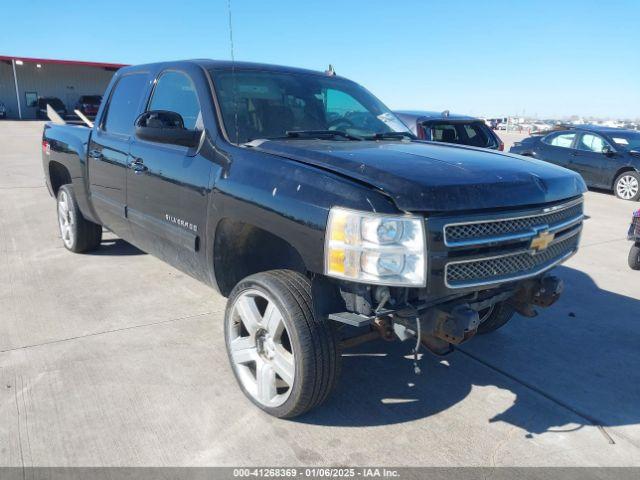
[{"x": 541, "y": 127}]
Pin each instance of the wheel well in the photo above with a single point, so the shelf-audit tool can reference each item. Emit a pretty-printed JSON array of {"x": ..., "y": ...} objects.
[
  {"x": 620, "y": 172},
  {"x": 241, "y": 249},
  {"x": 58, "y": 176}
]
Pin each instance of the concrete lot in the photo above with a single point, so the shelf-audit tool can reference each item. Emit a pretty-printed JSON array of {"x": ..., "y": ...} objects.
[
  {"x": 509, "y": 138},
  {"x": 114, "y": 358}
]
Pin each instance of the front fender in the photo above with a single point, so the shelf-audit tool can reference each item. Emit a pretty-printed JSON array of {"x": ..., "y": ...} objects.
[{"x": 286, "y": 198}]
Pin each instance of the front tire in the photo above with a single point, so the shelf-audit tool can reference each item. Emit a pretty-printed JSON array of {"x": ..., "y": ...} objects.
[
  {"x": 78, "y": 234},
  {"x": 627, "y": 186},
  {"x": 495, "y": 317},
  {"x": 285, "y": 360},
  {"x": 634, "y": 257}
]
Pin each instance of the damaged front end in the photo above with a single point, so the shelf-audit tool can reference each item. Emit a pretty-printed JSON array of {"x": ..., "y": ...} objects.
[
  {"x": 481, "y": 268},
  {"x": 457, "y": 321},
  {"x": 441, "y": 326}
]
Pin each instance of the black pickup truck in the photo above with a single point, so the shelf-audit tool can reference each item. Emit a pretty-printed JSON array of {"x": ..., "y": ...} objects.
[{"x": 304, "y": 200}]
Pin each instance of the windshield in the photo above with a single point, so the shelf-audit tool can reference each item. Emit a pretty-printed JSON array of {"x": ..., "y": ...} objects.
[
  {"x": 628, "y": 140},
  {"x": 54, "y": 102},
  {"x": 258, "y": 104}
]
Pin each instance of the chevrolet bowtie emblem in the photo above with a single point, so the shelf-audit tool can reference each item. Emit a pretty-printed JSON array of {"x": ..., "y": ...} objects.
[{"x": 542, "y": 241}]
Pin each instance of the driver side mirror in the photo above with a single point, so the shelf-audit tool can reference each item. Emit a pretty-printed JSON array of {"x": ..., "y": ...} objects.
[
  {"x": 163, "y": 126},
  {"x": 607, "y": 151}
]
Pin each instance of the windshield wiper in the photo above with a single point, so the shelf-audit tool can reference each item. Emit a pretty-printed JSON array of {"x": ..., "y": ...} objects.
[
  {"x": 320, "y": 133},
  {"x": 391, "y": 136}
]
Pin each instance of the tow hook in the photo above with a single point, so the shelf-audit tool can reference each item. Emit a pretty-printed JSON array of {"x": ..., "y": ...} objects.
[
  {"x": 542, "y": 292},
  {"x": 458, "y": 325},
  {"x": 550, "y": 290},
  {"x": 440, "y": 328}
]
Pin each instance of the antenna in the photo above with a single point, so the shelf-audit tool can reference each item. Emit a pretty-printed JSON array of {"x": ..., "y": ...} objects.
[
  {"x": 230, "y": 30},
  {"x": 233, "y": 73},
  {"x": 330, "y": 71}
]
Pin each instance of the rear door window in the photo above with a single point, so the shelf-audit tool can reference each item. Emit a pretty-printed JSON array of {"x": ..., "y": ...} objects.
[{"x": 124, "y": 103}]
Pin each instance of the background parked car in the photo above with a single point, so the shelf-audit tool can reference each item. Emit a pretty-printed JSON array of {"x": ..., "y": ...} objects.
[
  {"x": 606, "y": 157},
  {"x": 56, "y": 104},
  {"x": 3, "y": 110},
  {"x": 89, "y": 104},
  {"x": 450, "y": 128}
]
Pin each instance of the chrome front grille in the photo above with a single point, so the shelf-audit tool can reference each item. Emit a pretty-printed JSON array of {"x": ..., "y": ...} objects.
[
  {"x": 490, "y": 251},
  {"x": 514, "y": 228},
  {"x": 509, "y": 267}
]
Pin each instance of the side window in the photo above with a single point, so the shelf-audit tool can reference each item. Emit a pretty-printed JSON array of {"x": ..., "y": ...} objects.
[
  {"x": 124, "y": 102},
  {"x": 176, "y": 92},
  {"x": 591, "y": 143},
  {"x": 564, "y": 140}
]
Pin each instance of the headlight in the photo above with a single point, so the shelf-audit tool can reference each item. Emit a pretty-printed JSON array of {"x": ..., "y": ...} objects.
[{"x": 375, "y": 248}]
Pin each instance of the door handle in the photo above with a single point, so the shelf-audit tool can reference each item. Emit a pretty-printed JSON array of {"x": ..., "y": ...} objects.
[
  {"x": 137, "y": 165},
  {"x": 95, "y": 154}
]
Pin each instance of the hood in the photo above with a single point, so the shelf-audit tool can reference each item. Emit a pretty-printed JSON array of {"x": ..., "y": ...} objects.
[{"x": 426, "y": 176}]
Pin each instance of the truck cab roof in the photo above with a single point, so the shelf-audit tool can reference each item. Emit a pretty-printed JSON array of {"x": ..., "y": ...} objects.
[{"x": 209, "y": 64}]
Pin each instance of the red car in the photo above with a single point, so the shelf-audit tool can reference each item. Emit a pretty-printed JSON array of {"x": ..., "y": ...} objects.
[
  {"x": 89, "y": 104},
  {"x": 634, "y": 235}
]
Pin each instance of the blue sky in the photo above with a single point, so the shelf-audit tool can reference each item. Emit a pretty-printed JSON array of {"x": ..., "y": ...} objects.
[{"x": 545, "y": 58}]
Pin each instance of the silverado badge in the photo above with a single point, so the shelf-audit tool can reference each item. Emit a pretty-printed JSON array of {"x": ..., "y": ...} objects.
[{"x": 542, "y": 240}]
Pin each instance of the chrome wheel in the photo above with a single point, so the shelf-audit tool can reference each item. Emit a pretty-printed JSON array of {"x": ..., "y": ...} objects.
[
  {"x": 66, "y": 219},
  {"x": 260, "y": 348},
  {"x": 627, "y": 187}
]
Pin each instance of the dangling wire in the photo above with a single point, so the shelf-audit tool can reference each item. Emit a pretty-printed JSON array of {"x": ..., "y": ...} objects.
[{"x": 416, "y": 368}]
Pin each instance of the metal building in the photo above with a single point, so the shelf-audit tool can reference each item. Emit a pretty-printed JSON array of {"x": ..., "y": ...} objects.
[{"x": 24, "y": 80}]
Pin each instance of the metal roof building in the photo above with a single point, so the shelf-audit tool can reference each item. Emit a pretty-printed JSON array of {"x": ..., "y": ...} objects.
[{"x": 24, "y": 80}]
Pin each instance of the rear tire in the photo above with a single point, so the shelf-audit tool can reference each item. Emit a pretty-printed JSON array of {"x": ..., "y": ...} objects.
[
  {"x": 496, "y": 317},
  {"x": 634, "y": 257},
  {"x": 78, "y": 234},
  {"x": 285, "y": 360},
  {"x": 627, "y": 186}
]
